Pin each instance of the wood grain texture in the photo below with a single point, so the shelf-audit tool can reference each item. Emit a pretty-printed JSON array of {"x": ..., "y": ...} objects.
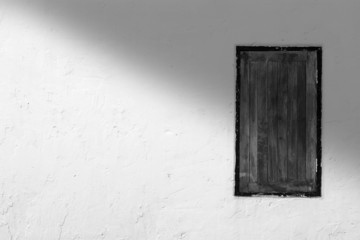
[
  {"x": 301, "y": 121},
  {"x": 311, "y": 110},
  {"x": 244, "y": 126},
  {"x": 277, "y": 56},
  {"x": 282, "y": 109},
  {"x": 292, "y": 122},
  {"x": 256, "y": 70},
  {"x": 272, "y": 82},
  {"x": 277, "y": 126},
  {"x": 262, "y": 128}
]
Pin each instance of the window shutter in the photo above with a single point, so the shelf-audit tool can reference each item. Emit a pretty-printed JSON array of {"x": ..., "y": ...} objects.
[{"x": 277, "y": 113}]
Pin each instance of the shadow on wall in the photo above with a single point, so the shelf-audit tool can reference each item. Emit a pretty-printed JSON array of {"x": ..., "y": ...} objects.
[
  {"x": 184, "y": 41},
  {"x": 191, "y": 44}
]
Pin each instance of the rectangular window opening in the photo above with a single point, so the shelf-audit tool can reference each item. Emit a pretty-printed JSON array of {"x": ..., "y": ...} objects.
[{"x": 278, "y": 121}]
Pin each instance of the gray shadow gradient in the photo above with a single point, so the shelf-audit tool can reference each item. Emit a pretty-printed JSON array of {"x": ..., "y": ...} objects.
[{"x": 186, "y": 39}]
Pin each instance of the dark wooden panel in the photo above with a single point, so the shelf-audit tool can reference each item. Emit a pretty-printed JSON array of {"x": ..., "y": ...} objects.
[
  {"x": 272, "y": 82},
  {"x": 283, "y": 120},
  {"x": 292, "y": 122},
  {"x": 277, "y": 116},
  {"x": 262, "y": 128},
  {"x": 244, "y": 126},
  {"x": 256, "y": 71},
  {"x": 301, "y": 122},
  {"x": 277, "y": 56},
  {"x": 311, "y": 110}
]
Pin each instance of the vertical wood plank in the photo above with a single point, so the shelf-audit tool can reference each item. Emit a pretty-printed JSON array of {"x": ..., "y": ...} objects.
[
  {"x": 301, "y": 121},
  {"x": 311, "y": 110},
  {"x": 262, "y": 128},
  {"x": 256, "y": 71},
  {"x": 273, "y": 71},
  {"x": 292, "y": 123},
  {"x": 244, "y": 124},
  {"x": 282, "y": 121}
]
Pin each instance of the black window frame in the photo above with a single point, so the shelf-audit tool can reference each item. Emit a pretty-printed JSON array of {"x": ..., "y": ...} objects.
[{"x": 318, "y": 50}]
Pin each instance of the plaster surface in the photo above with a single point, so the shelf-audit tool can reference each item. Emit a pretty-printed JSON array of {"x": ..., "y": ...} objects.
[{"x": 118, "y": 120}]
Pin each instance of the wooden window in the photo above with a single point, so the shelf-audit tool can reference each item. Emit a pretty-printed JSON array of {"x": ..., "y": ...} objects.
[{"x": 278, "y": 118}]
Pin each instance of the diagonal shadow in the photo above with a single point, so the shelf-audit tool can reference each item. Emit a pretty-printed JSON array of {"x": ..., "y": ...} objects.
[{"x": 185, "y": 39}]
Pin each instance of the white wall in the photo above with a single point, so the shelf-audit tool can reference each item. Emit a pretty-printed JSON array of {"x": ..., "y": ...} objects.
[{"x": 117, "y": 119}]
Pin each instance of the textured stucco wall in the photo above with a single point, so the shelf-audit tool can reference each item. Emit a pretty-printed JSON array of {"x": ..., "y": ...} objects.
[{"x": 117, "y": 119}]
